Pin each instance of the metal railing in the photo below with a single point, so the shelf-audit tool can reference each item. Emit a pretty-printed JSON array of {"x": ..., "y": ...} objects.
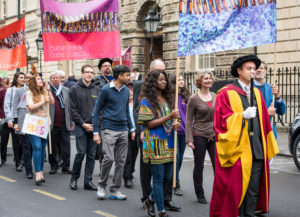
[{"x": 288, "y": 82}]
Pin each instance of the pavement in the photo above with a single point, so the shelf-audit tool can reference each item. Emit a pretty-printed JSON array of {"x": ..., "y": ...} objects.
[{"x": 282, "y": 142}]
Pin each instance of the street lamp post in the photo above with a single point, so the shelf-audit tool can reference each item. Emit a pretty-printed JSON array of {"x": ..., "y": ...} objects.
[
  {"x": 39, "y": 46},
  {"x": 151, "y": 23}
]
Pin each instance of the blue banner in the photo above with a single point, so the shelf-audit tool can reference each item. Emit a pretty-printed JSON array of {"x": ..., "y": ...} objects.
[{"x": 208, "y": 26}]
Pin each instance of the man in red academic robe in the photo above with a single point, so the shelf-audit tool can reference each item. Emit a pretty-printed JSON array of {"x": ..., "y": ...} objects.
[{"x": 242, "y": 179}]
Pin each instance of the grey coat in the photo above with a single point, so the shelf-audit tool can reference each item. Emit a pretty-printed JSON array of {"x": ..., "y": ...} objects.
[
  {"x": 20, "y": 106},
  {"x": 65, "y": 94}
]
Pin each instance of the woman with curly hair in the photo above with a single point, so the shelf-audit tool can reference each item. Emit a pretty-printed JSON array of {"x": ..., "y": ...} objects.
[
  {"x": 183, "y": 98},
  {"x": 37, "y": 98},
  {"x": 157, "y": 117},
  {"x": 200, "y": 134}
]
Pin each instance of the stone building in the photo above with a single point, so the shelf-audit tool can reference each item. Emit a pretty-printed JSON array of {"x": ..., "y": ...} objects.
[{"x": 132, "y": 14}]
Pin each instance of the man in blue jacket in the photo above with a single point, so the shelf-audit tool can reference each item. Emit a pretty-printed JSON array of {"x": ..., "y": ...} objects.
[
  {"x": 113, "y": 102},
  {"x": 268, "y": 91}
]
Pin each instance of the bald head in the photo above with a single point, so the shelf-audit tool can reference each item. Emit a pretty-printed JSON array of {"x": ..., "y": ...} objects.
[{"x": 157, "y": 64}]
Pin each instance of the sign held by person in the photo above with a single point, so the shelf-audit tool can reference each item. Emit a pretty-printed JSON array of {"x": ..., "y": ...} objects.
[
  {"x": 13, "y": 46},
  {"x": 73, "y": 31},
  {"x": 213, "y": 26}
]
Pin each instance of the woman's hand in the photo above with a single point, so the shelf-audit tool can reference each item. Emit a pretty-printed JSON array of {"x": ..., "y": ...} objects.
[
  {"x": 47, "y": 99},
  {"x": 191, "y": 144},
  {"x": 174, "y": 113}
]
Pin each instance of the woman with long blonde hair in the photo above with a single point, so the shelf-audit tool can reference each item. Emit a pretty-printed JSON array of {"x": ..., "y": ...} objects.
[{"x": 38, "y": 96}]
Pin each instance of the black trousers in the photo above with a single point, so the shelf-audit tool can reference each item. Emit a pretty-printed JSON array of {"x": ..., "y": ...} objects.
[
  {"x": 133, "y": 150},
  {"x": 4, "y": 141},
  {"x": 85, "y": 147},
  {"x": 251, "y": 198},
  {"x": 201, "y": 145},
  {"x": 27, "y": 153},
  {"x": 145, "y": 173},
  {"x": 60, "y": 137},
  {"x": 17, "y": 146}
]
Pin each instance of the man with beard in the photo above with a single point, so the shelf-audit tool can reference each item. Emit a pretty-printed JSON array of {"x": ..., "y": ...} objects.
[
  {"x": 268, "y": 91},
  {"x": 105, "y": 67}
]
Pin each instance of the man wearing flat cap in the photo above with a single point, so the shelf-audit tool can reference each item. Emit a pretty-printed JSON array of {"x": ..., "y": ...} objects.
[
  {"x": 105, "y": 67},
  {"x": 242, "y": 180}
]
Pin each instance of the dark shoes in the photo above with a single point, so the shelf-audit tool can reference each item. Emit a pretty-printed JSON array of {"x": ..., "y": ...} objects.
[
  {"x": 38, "y": 182},
  {"x": 19, "y": 167},
  {"x": 73, "y": 184},
  {"x": 30, "y": 176},
  {"x": 149, "y": 206},
  {"x": 90, "y": 186},
  {"x": 129, "y": 183},
  {"x": 202, "y": 199},
  {"x": 170, "y": 205},
  {"x": 178, "y": 192},
  {"x": 66, "y": 171},
  {"x": 53, "y": 171}
]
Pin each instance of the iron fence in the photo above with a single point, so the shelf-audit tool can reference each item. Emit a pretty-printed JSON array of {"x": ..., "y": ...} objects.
[{"x": 288, "y": 82}]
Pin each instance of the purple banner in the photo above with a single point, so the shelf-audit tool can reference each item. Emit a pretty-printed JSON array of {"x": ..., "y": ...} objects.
[{"x": 73, "y": 9}]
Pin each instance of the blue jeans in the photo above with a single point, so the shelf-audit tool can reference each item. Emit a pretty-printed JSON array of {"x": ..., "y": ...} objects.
[
  {"x": 38, "y": 147},
  {"x": 161, "y": 175},
  {"x": 180, "y": 152}
]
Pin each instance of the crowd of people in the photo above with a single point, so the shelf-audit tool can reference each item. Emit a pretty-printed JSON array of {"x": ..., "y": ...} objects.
[{"x": 116, "y": 114}]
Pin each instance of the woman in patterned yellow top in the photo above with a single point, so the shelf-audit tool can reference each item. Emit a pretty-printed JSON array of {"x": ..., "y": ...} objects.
[{"x": 158, "y": 147}]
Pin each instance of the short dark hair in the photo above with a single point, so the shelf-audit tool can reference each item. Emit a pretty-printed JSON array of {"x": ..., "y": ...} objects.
[
  {"x": 86, "y": 66},
  {"x": 119, "y": 70}
]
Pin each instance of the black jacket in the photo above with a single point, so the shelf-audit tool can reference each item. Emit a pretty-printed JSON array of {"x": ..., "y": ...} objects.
[
  {"x": 70, "y": 82},
  {"x": 137, "y": 86},
  {"x": 82, "y": 102}
]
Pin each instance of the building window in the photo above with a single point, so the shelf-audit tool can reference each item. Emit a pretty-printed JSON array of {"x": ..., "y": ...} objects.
[
  {"x": 3, "y": 9},
  {"x": 205, "y": 62},
  {"x": 23, "y": 5}
]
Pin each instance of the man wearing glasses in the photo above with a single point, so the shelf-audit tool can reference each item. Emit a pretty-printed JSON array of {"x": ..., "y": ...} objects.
[
  {"x": 105, "y": 67},
  {"x": 83, "y": 96}
]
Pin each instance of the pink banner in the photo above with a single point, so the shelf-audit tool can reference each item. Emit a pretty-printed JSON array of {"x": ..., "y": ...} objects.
[
  {"x": 126, "y": 58},
  {"x": 73, "y": 31}
]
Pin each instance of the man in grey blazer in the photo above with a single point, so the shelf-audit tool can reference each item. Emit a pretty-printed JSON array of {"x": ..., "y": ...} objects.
[
  {"x": 61, "y": 125},
  {"x": 19, "y": 112}
]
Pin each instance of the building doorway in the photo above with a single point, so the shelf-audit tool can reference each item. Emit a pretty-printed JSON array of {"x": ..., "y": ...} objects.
[{"x": 157, "y": 50}]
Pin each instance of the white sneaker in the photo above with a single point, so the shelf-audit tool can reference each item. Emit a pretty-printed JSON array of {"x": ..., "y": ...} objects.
[
  {"x": 101, "y": 193},
  {"x": 117, "y": 196}
]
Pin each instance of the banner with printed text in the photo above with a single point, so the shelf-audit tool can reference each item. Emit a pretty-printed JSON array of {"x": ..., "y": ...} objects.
[
  {"x": 126, "y": 58},
  {"x": 73, "y": 31},
  {"x": 13, "y": 46},
  {"x": 208, "y": 26}
]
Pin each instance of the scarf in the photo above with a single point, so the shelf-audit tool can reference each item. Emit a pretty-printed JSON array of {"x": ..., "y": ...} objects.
[{"x": 57, "y": 93}]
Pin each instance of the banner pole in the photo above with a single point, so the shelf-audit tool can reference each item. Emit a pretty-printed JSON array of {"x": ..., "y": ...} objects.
[
  {"x": 274, "y": 76},
  {"x": 48, "y": 110},
  {"x": 175, "y": 133},
  {"x": 121, "y": 60}
]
